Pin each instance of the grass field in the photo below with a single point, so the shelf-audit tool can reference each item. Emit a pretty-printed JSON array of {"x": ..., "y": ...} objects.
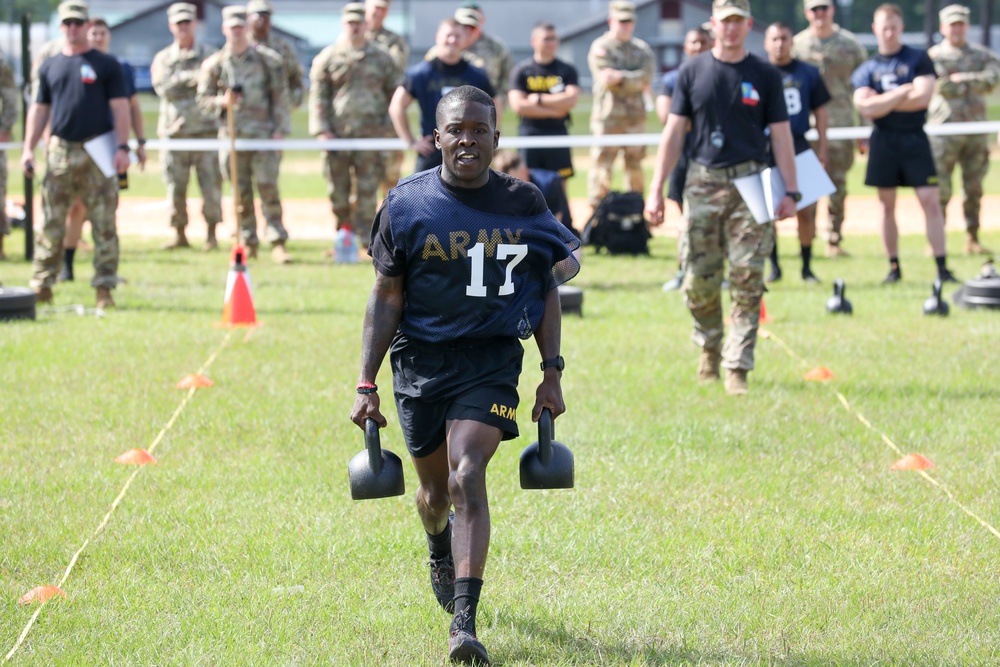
[{"x": 703, "y": 529}]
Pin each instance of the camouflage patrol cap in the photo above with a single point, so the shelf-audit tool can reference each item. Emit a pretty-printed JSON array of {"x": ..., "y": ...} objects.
[
  {"x": 621, "y": 10},
  {"x": 259, "y": 7},
  {"x": 384, "y": 4},
  {"x": 468, "y": 16},
  {"x": 471, "y": 4},
  {"x": 954, "y": 14},
  {"x": 353, "y": 12},
  {"x": 723, "y": 9},
  {"x": 813, "y": 4},
  {"x": 73, "y": 9},
  {"x": 181, "y": 11},
  {"x": 234, "y": 15}
]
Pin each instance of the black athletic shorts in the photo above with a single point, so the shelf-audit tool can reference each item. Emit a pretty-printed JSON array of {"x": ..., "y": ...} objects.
[
  {"x": 900, "y": 158},
  {"x": 559, "y": 160},
  {"x": 434, "y": 383}
]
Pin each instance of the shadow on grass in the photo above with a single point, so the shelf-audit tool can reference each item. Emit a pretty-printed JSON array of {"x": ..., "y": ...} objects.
[{"x": 562, "y": 646}]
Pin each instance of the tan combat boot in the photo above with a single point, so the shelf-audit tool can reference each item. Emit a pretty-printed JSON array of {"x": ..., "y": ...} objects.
[
  {"x": 104, "y": 299},
  {"x": 736, "y": 382},
  {"x": 180, "y": 241},
  {"x": 43, "y": 294},
  {"x": 708, "y": 367},
  {"x": 972, "y": 245},
  {"x": 211, "y": 243},
  {"x": 279, "y": 255}
]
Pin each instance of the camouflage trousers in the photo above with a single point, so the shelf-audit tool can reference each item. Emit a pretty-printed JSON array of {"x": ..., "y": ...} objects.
[
  {"x": 839, "y": 159},
  {"x": 4, "y": 223},
  {"x": 70, "y": 173},
  {"x": 177, "y": 166},
  {"x": 364, "y": 168},
  {"x": 603, "y": 159},
  {"x": 260, "y": 167},
  {"x": 972, "y": 154},
  {"x": 718, "y": 226}
]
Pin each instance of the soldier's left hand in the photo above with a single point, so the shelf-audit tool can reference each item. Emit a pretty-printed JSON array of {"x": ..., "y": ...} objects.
[
  {"x": 786, "y": 208},
  {"x": 140, "y": 154},
  {"x": 121, "y": 162},
  {"x": 548, "y": 395}
]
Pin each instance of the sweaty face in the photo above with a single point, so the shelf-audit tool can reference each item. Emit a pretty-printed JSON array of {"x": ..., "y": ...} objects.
[
  {"x": 467, "y": 138},
  {"x": 778, "y": 44},
  {"x": 887, "y": 28}
]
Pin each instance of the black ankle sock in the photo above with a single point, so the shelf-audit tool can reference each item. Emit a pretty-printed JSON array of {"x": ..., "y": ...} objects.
[
  {"x": 807, "y": 253},
  {"x": 940, "y": 261},
  {"x": 68, "y": 255},
  {"x": 440, "y": 545},
  {"x": 467, "y": 591},
  {"x": 894, "y": 264}
]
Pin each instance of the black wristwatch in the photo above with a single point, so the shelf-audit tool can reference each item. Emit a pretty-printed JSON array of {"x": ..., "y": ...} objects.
[
  {"x": 795, "y": 195},
  {"x": 124, "y": 147},
  {"x": 556, "y": 362}
]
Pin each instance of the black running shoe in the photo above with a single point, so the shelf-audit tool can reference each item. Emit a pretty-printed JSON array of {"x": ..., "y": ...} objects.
[
  {"x": 809, "y": 277},
  {"x": 775, "y": 275},
  {"x": 894, "y": 277},
  {"x": 443, "y": 577},
  {"x": 946, "y": 276},
  {"x": 465, "y": 649},
  {"x": 65, "y": 276}
]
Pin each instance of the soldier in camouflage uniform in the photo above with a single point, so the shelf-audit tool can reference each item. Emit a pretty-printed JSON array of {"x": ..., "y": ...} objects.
[
  {"x": 967, "y": 73},
  {"x": 70, "y": 170},
  {"x": 174, "y": 73},
  {"x": 622, "y": 67},
  {"x": 252, "y": 81},
  {"x": 259, "y": 17},
  {"x": 399, "y": 50},
  {"x": 727, "y": 142},
  {"x": 350, "y": 86},
  {"x": 9, "y": 103},
  {"x": 837, "y": 53}
]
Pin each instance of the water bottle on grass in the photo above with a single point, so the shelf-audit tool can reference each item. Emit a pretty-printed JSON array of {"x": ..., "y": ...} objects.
[{"x": 345, "y": 246}]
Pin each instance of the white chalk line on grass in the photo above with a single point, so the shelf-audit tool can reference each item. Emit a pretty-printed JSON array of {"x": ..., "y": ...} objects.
[
  {"x": 121, "y": 495},
  {"x": 769, "y": 335}
]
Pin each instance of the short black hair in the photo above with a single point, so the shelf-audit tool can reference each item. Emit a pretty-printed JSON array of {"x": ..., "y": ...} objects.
[
  {"x": 780, "y": 25},
  {"x": 465, "y": 94}
]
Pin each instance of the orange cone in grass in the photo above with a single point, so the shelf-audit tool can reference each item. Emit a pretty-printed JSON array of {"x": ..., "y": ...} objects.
[
  {"x": 764, "y": 319},
  {"x": 238, "y": 310}
]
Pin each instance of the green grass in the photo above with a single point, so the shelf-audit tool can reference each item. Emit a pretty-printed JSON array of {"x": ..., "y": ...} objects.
[{"x": 703, "y": 529}]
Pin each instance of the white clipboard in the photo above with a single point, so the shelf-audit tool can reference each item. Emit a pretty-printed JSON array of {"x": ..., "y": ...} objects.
[
  {"x": 762, "y": 192},
  {"x": 101, "y": 150}
]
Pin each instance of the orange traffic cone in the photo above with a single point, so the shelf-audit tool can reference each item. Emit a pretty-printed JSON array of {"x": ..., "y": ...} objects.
[
  {"x": 764, "y": 319},
  {"x": 238, "y": 310}
]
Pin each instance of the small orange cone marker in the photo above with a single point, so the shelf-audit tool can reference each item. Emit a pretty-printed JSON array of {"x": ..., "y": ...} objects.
[
  {"x": 41, "y": 594},
  {"x": 764, "y": 319},
  {"x": 819, "y": 374},
  {"x": 138, "y": 457},
  {"x": 195, "y": 381},
  {"x": 238, "y": 310},
  {"x": 912, "y": 462}
]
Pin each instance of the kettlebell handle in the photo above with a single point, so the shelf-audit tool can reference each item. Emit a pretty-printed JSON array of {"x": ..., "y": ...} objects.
[
  {"x": 546, "y": 431},
  {"x": 373, "y": 445},
  {"x": 838, "y": 287}
]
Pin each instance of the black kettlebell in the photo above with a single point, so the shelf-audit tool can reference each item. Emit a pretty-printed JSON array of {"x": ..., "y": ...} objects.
[
  {"x": 374, "y": 472},
  {"x": 546, "y": 464},
  {"x": 935, "y": 304},
  {"x": 838, "y": 303}
]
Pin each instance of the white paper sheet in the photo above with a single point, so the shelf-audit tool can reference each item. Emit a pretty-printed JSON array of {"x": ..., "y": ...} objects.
[
  {"x": 102, "y": 151},
  {"x": 763, "y": 191}
]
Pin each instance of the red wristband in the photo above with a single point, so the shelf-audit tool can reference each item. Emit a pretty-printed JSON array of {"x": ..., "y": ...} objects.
[{"x": 367, "y": 387}]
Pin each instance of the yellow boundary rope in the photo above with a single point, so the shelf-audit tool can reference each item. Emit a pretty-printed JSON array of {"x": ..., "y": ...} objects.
[
  {"x": 768, "y": 334},
  {"x": 121, "y": 495}
]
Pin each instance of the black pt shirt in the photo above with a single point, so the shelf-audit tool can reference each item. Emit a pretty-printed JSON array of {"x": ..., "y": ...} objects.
[
  {"x": 78, "y": 89},
  {"x": 735, "y": 102}
]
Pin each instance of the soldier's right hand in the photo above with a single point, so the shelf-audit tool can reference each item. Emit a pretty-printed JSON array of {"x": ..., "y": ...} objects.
[
  {"x": 424, "y": 146},
  {"x": 28, "y": 164},
  {"x": 367, "y": 406},
  {"x": 654, "y": 207}
]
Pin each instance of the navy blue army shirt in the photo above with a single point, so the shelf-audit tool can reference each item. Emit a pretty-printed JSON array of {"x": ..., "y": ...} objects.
[
  {"x": 430, "y": 80},
  {"x": 804, "y": 93},
  {"x": 477, "y": 262},
  {"x": 884, "y": 73},
  {"x": 737, "y": 99}
]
